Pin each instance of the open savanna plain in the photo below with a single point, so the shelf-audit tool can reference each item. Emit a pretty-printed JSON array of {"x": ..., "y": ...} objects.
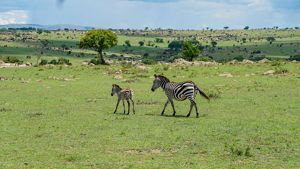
[{"x": 62, "y": 117}]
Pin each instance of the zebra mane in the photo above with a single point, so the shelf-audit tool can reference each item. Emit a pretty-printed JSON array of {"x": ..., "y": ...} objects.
[
  {"x": 163, "y": 77},
  {"x": 115, "y": 85}
]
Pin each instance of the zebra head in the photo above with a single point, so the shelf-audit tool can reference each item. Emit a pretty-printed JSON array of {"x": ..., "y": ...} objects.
[
  {"x": 159, "y": 81},
  {"x": 115, "y": 89}
]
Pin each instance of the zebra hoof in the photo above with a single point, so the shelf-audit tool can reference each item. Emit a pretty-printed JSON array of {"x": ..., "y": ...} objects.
[{"x": 188, "y": 115}]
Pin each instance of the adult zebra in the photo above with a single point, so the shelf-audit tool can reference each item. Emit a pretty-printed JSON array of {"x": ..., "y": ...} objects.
[{"x": 178, "y": 91}]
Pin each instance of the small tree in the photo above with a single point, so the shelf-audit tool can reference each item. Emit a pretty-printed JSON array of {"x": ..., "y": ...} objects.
[
  {"x": 226, "y": 27},
  {"x": 99, "y": 40},
  {"x": 244, "y": 40},
  {"x": 213, "y": 43},
  {"x": 190, "y": 51},
  {"x": 127, "y": 43},
  {"x": 246, "y": 27},
  {"x": 141, "y": 43},
  {"x": 270, "y": 39}
]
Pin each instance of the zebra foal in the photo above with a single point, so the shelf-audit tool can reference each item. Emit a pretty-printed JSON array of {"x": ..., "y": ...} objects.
[
  {"x": 123, "y": 95},
  {"x": 178, "y": 91}
]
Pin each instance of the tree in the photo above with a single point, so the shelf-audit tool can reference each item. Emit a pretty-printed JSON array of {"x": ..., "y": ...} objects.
[
  {"x": 159, "y": 40},
  {"x": 213, "y": 43},
  {"x": 226, "y": 27},
  {"x": 141, "y": 43},
  {"x": 99, "y": 40},
  {"x": 190, "y": 51},
  {"x": 244, "y": 40},
  {"x": 270, "y": 39},
  {"x": 127, "y": 43},
  {"x": 246, "y": 27},
  {"x": 176, "y": 45}
]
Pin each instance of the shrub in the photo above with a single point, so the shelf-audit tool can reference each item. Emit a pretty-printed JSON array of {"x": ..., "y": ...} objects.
[
  {"x": 63, "y": 61},
  {"x": 95, "y": 61},
  {"x": 44, "y": 62},
  {"x": 239, "y": 58},
  {"x": 206, "y": 59},
  {"x": 276, "y": 63},
  {"x": 149, "y": 61},
  {"x": 12, "y": 59},
  {"x": 53, "y": 62},
  {"x": 295, "y": 57},
  {"x": 257, "y": 58}
]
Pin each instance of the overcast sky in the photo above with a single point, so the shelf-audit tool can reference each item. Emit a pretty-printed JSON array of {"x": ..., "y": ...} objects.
[{"x": 178, "y": 14}]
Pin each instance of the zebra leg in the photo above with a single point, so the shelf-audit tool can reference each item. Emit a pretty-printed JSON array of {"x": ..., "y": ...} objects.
[
  {"x": 191, "y": 107},
  {"x": 174, "y": 111},
  {"x": 123, "y": 105},
  {"x": 117, "y": 106},
  {"x": 166, "y": 104},
  {"x": 128, "y": 106},
  {"x": 132, "y": 105},
  {"x": 195, "y": 104}
]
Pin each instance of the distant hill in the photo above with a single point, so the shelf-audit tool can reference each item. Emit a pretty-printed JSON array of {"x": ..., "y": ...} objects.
[{"x": 45, "y": 27}]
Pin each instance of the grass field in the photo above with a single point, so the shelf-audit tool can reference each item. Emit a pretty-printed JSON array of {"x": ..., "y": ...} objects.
[
  {"x": 229, "y": 44},
  {"x": 62, "y": 117}
]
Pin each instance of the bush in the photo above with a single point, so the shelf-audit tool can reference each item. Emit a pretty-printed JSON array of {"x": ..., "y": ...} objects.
[
  {"x": 44, "y": 62},
  {"x": 12, "y": 59},
  {"x": 95, "y": 61},
  {"x": 53, "y": 62},
  {"x": 257, "y": 58},
  {"x": 206, "y": 59},
  {"x": 239, "y": 58},
  {"x": 63, "y": 61},
  {"x": 149, "y": 61},
  {"x": 295, "y": 57}
]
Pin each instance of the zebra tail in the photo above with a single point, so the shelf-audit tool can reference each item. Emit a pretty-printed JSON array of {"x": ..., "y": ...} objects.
[{"x": 202, "y": 93}]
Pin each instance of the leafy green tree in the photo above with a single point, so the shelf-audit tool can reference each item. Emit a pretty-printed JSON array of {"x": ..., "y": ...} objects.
[
  {"x": 270, "y": 39},
  {"x": 213, "y": 43},
  {"x": 246, "y": 27},
  {"x": 99, "y": 40},
  {"x": 244, "y": 40},
  {"x": 141, "y": 43},
  {"x": 127, "y": 43},
  {"x": 190, "y": 51}
]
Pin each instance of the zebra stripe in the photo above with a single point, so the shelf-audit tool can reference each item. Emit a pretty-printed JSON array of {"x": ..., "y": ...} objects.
[
  {"x": 178, "y": 91},
  {"x": 123, "y": 95}
]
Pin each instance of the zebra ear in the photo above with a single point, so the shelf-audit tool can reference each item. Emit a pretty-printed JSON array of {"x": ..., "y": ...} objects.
[{"x": 155, "y": 75}]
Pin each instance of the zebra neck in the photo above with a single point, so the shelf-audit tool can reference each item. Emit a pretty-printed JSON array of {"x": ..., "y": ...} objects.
[{"x": 163, "y": 85}]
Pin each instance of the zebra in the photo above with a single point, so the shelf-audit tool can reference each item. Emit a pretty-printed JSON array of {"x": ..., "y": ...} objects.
[
  {"x": 178, "y": 91},
  {"x": 123, "y": 95}
]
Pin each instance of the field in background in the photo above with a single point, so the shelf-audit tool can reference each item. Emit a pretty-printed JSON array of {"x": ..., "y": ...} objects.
[{"x": 231, "y": 44}]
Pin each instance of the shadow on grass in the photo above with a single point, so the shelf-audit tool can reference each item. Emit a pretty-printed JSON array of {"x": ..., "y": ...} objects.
[{"x": 176, "y": 116}]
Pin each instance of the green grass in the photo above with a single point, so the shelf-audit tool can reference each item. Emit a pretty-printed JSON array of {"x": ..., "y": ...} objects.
[{"x": 61, "y": 117}]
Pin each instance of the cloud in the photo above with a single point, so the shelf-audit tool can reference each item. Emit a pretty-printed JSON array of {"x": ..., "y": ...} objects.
[
  {"x": 178, "y": 14},
  {"x": 14, "y": 17}
]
